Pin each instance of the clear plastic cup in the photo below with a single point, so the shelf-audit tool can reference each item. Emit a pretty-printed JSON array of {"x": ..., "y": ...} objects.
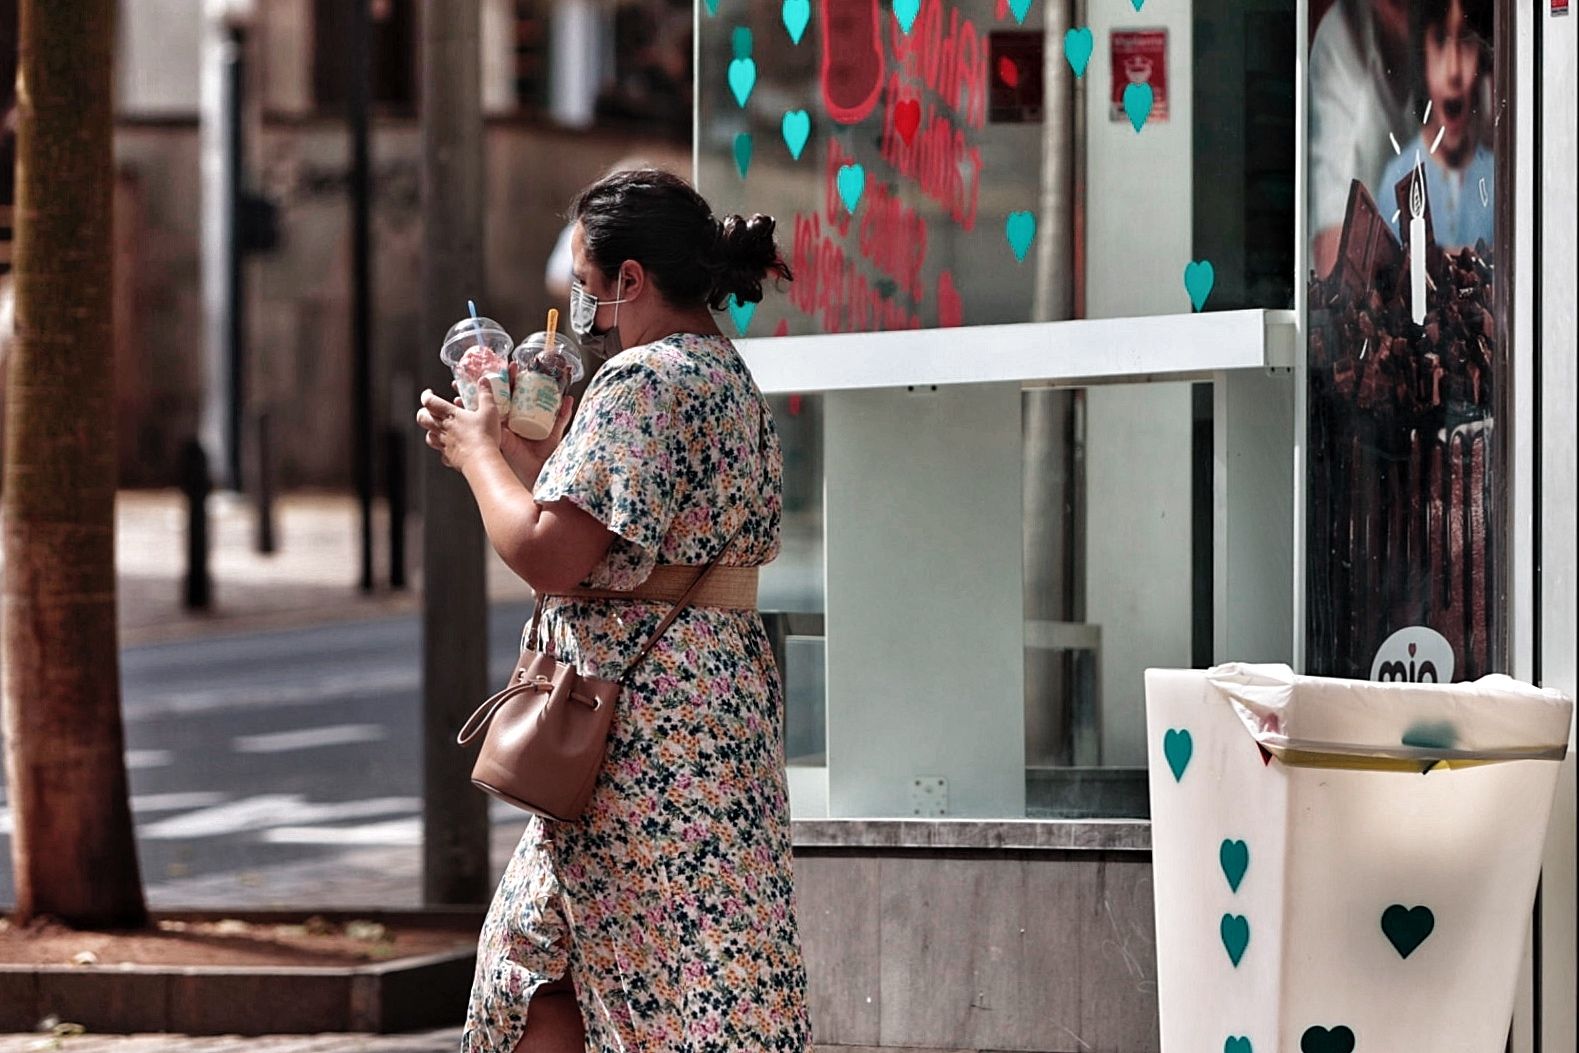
[
  {"x": 541, "y": 379},
  {"x": 477, "y": 350}
]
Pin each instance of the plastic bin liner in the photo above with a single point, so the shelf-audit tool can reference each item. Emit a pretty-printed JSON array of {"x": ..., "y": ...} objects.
[{"x": 1320, "y": 722}]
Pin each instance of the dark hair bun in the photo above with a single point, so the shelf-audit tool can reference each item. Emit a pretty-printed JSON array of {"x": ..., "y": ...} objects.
[{"x": 746, "y": 255}]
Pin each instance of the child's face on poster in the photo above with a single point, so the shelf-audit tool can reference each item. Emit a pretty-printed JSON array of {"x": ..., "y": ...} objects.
[{"x": 1452, "y": 69}]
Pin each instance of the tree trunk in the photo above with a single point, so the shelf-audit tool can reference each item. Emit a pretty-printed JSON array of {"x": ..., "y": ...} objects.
[{"x": 72, "y": 849}]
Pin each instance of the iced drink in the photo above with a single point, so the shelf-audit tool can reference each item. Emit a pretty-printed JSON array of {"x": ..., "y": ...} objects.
[
  {"x": 477, "y": 350},
  {"x": 544, "y": 371}
]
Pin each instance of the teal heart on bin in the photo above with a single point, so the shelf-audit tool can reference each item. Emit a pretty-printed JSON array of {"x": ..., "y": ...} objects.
[
  {"x": 1137, "y": 104},
  {"x": 743, "y": 153},
  {"x": 1235, "y": 930},
  {"x": 1406, "y": 929},
  {"x": 1427, "y": 735},
  {"x": 742, "y": 313},
  {"x": 712, "y": 7},
  {"x": 742, "y": 78},
  {"x": 852, "y": 184},
  {"x": 1319, "y": 1040},
  {"x": 1237, "y": 1045},
  {"x": 797, "y": 129},
  {"x": 797, "y": 14},
  {"x": 1199, "y": 277},
  {"x": 905, "y": 11},
  {"x": 1138, "y": 3},
  {"x": 1078, "y": 44},
  {"x": 1177, "y": 747},
  {"x": 1235, "y": 859},
  {"x": 1020, "y": 9},
  {"x": 1020, "y": 229}
]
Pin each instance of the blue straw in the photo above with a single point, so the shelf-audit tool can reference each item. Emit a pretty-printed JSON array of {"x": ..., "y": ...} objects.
[{"x": 472, "y": 307}]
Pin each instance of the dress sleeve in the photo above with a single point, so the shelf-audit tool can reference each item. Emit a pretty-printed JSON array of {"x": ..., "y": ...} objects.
[{"x": 616, "y": 461}]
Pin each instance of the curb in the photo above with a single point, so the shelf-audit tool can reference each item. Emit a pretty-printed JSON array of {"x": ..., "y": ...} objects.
[{"x": 380, "y": 998}]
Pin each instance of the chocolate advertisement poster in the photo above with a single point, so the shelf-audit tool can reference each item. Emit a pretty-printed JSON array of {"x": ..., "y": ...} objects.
[{"x": 1407, "y": 348}]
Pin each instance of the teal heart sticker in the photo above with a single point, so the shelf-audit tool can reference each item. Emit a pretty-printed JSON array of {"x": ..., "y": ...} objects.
[
  {"x": 1235, "y": 930},
  {"x": 743, "y": 153},
  {"x": 712, "y": 7},
  {"x": 1199, "y": 277},
  {"x": 1020, "y": 8},
  {"x": 797, "y": 13},
  {"x": 1429, "y": 735},
  {"x": 1138, "y": 4},
  {"x": 741, "y": 313},
  {"x": 852, "y": 184},
  {"x": 1319, "y": 1040},
  {"x": 905, "y": 11},
  {"x": 742, "y": 78},
  {"x": 1137, "y": 104},
  {"x": 1407, "y": 929},
  {"x": 1177, "y": 747},
  {"x": 797, "y": 129},
  {"x": 1078, "y": 43},
  {"x": 1237, "y": 1045},
  {"x": 1020, "y": 229},
  {"x": 740, "y": 42},
  {"x": 1235, "y": 859}
]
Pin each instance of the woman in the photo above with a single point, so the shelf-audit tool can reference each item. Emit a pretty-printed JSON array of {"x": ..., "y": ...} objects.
[{"x": 664, "y": 918}]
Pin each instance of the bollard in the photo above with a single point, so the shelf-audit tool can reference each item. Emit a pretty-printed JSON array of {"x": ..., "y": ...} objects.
[
  {"x": 195, "y": 485},
  {"x": 395, "y": 490},
  {"x": 263, "y": 539}
]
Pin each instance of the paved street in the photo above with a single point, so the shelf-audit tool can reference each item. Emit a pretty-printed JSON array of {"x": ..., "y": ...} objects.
[{"x": 252, "y": 755}]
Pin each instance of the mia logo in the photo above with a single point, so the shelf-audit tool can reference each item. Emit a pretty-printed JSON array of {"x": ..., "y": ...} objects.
[{"x": 1416, "y": 655}]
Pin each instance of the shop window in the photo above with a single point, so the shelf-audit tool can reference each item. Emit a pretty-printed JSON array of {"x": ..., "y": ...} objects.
[{"x": 978, "y": 167}]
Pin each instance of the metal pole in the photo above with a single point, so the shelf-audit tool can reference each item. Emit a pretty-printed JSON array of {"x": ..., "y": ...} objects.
[
  {"x": 195, "y": 486},
  {"x": 361, "y": 280},
  {"x": 236, "y": 315},
  {"x": 454, "y": 589}
]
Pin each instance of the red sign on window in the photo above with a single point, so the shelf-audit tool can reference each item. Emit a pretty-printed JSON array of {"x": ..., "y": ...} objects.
[{"x": 1140, "y": 56}]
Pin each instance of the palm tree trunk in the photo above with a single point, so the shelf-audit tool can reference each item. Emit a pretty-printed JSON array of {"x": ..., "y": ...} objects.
[{"x": 72, "y": 849}]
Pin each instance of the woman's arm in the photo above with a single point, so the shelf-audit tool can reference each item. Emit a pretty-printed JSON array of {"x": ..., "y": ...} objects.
[{"x": 550, "y": 547}]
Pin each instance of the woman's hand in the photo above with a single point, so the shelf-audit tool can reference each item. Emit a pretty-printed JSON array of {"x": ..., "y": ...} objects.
[
  {"x": 526, "y": 457},
  {"x": 459, "y": 434}
]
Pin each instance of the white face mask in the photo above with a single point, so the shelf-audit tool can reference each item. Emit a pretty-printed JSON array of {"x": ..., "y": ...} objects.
[{"x": 584, "y": 309}]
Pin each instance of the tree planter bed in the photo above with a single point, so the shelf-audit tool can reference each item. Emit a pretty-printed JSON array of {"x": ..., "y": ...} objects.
[{"x": 246, "y": 973}]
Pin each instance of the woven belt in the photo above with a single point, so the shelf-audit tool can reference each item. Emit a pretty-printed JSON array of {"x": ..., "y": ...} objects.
[{"x": 726, "y": 587}]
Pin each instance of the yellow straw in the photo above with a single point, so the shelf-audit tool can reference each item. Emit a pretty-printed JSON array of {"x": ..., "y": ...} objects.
[{"x": 553, "y": 324}]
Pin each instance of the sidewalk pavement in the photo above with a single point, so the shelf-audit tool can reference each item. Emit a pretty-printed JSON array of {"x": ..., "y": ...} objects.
[{"x": 312, "y": 576}]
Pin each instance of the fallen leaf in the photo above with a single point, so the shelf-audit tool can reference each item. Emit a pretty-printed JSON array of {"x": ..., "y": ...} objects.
[{"x": 366, "y": 931}]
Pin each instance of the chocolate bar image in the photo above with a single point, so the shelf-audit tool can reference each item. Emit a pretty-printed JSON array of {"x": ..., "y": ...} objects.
[{"x": 1366, "y": 247}]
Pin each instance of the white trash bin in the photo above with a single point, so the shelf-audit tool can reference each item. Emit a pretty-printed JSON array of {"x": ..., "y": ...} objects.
[{"x": 1342, "y": 866}]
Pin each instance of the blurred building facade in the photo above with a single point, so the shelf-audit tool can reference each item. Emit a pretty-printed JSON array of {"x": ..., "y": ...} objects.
[{"x": 567, "y": 90}]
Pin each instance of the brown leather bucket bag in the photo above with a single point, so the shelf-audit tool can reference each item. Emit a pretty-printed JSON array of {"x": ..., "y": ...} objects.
[{"x": 547, "y": 731}]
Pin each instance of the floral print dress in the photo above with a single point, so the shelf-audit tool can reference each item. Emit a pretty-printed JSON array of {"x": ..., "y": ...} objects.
[{"x": 670, "y": 902}]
